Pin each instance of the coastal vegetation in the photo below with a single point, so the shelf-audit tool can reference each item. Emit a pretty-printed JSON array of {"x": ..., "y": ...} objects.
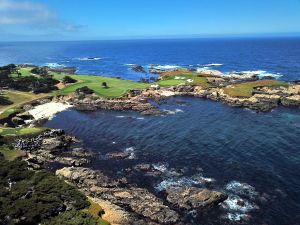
[{"x": 246, "y": 89}]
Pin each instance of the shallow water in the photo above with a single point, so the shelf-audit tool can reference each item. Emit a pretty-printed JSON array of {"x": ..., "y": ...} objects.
[{"x": 251, "y": 156}]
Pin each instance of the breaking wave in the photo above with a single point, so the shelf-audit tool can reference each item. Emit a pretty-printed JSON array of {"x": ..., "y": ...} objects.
[
  {"x": 89, "y": 59},
  {"x": 54, "y": 65},
  {"x": 240, "y": 201},
  {"x": 260, "y": 73}
]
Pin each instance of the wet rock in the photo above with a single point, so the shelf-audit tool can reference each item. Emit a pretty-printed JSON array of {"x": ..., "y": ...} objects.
[
  {"x": 190, "y": 198},
  {"x": 138, "y": 68},
  {"x": 118, "y": 155},
  {"x": 143, "y": 167},
  {"x": 138, "y": 202}
]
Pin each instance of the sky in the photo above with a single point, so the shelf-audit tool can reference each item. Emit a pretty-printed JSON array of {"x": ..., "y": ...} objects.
[{"x": 42, "y": 20}]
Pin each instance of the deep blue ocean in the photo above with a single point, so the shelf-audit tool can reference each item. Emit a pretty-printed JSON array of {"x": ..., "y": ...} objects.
[
  {"x": 253, "y": 157},
  {"x": 278, "y": 57}
]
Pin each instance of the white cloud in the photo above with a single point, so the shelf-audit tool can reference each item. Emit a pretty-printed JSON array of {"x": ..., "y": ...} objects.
[{"x": 35, "y": 15}]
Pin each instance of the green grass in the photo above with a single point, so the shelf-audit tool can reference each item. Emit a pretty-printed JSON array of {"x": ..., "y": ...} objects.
[
  {"x": 169, "y": 80},
  {"x": 25, "y": 72},
  {"x": 6, "y": 113},
  {"x": 117, "y": 87},
  {"x": 169, "y": 83},
  {"x": 10, "y": 154},
  {"x": 18, "y": 98},
  {"x": 20, "y": 131},
  {"x": 96, "y": 210},
  {"x": 246, "y": 89}
]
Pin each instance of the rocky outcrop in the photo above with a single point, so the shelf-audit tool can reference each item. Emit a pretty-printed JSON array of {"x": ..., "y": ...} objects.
[
  {"x": 136, "y": 104},
  {"x": 143, "y": 207},
  {"x": 52, "y": 146},
  {"x": 291, "y": 101},
  {"x": 138, "y": 68},
  {"x": 193, "y": 198}
]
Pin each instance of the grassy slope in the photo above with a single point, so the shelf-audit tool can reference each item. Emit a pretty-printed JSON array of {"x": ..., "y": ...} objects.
[
  {"x": 246, "y": 89},
  {"x": 20, "y": 131},
  {"x": 19, "y": 98},
  {"x": 96, "y": 211}
]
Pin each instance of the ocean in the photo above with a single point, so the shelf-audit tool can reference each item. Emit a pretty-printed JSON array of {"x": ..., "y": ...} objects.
[
  {"x": 268, "y": 57},
  {"x": 253, "y": 157}
]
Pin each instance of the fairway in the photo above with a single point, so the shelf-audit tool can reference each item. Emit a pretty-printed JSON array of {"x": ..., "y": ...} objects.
[{"x": 116, "y": 87}]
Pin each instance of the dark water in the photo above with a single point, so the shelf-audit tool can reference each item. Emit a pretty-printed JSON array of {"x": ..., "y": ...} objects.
[
  {"x": 250, "y": 156},
  {"x": 276, "y": 57}
]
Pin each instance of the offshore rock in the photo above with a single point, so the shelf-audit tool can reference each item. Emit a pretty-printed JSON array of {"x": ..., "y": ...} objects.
[
  {"x": 138, "y": 68},
  {"x": 190, "y": 198}
]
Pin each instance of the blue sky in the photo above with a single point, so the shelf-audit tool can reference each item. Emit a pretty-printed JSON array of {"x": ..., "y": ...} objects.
[{"x": 126, "y": 19}]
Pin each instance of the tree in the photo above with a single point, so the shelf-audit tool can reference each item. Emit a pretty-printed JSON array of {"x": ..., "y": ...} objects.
[
  {"x": 104, "y": 85},
  {"x": 68, "y": 80}
]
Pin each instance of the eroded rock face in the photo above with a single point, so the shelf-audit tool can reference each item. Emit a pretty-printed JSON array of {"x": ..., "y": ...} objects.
[
  {"x": 52, "y": 146},
  {"x": 138, "y": 104},
  {"x": 139, "y": 202},
  {"x": 189, "y": 198}
]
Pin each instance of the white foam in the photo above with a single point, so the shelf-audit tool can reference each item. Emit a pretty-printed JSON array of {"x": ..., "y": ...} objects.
[
  {"x": 239, "y": 188},
  {"x": 131, "y": 151},
  {"x": 54, "y": 65},
  {"x": 129, "y": 64},
  {"x": 232, "y": 203},
  {"x": 213, "y": 64},
  {"x": 172, "y": 112},
  {"x": 160, "y": 167},
  {"x": 89, "y": 59},
  {"x": 259, "y": 73},
  {"x": 120, "y": 116},
  {"x": 197, "y": 179},
  {"x": 166, "y": 67}
]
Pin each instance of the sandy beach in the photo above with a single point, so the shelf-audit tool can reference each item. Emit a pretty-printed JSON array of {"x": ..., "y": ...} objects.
[{"x": 48, "y": 110}]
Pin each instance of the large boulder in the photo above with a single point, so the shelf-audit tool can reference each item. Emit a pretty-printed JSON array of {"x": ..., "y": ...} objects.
[{"x": 193, "y": 198}]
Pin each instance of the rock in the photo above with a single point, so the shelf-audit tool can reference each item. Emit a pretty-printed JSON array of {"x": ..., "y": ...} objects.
[
  {"x": 52, "y": 146},
  {"x": 156, "y": 71},
  {"x": 190, "y": 198},
  {"x": 138, "y": 68},
  {"x": 292, "y": 101},
  {"x": 138, "y": 202},
  {"x": 143, "y": 167},
  {"x": 118, "y": 155}
]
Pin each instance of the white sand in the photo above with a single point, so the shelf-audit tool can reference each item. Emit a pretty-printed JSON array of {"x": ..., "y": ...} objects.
[{"x": 48, "y": 110}]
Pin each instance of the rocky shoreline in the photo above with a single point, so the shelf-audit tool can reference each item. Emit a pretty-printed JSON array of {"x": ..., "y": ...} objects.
[{"x": 132, "y": 204}]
